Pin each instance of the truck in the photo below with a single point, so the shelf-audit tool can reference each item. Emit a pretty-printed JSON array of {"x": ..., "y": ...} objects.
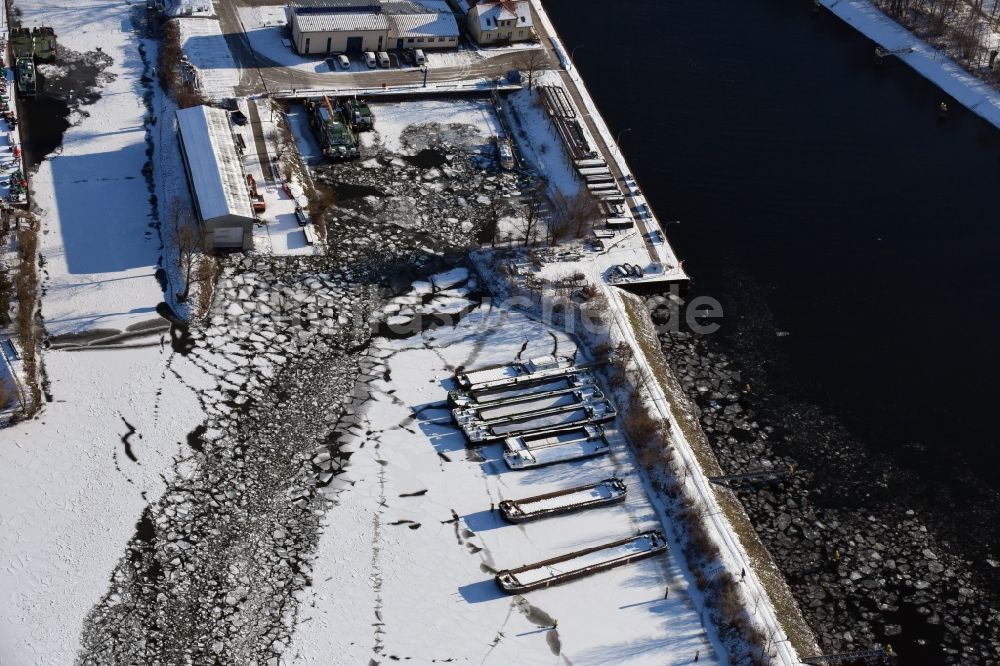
[{"x": 335, "y": 138}]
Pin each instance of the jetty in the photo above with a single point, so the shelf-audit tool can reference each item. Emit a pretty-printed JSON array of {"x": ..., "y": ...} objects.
[
  {"x": 590, "y": 496},
  {"x": 581, "y": 563}
]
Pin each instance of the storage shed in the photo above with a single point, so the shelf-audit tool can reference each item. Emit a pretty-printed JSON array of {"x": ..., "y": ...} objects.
[
  {"x": 216, "y": 177},
  {"x": 354, "y": 26}
]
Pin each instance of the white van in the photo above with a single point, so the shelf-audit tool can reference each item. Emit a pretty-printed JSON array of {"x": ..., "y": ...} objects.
[
  {"x": 418, "y": 57},
  {"x": 345, "y": 63},
  {"x": 370, "y": 59},
  {"x": 383, "y": 59}
]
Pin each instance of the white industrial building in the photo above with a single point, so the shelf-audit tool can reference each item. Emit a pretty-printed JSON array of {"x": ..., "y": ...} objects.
[
  {"x": 354, "y": 26},
  {"x": 215, "y": 174},
  {"x": 500, "y": 21}
]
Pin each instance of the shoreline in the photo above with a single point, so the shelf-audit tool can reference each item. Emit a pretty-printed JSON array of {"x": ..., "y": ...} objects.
[{"x": 933, "y": 64}]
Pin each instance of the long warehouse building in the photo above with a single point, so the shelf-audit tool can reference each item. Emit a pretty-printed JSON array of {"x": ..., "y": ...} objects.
[
  {"x": 215, "y": 175},
  {"x": 354, "y": 26}
]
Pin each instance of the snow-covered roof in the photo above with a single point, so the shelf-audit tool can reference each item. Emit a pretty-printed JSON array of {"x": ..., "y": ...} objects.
[
  {"x": 409, "y": 17},
  {"x": 213, "y": 163},
  {"x": 337, "y": 21},
  {"x": 489, "y": 12},
  {"x": 425, "y": 25}
]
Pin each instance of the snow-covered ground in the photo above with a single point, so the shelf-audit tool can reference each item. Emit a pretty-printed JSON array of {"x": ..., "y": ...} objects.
[
  {"x": 70, "y": 495},
  {"x": 278, "y": 232},
  {"x": 100, "y": 251},
  {"x": 405, "y": 567},
  {"x": 266, "y": 28},
  {"x": 539, "y": 141},
  {"x": 206, "y": 49},
  {"x": 971, "y": 92},
  {"x": 392, "y": 118}
]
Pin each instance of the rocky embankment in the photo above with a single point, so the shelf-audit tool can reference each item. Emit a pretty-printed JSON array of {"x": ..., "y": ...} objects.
[{"x": 861, "y": 562}]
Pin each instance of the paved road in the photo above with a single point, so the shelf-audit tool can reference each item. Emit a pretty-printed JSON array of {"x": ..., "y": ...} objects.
[{"x": 261, "y": 75}]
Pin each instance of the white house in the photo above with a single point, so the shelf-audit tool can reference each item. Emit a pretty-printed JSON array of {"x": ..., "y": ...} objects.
[
  {"x": 215, "y": 174},
  {"x": 500, "y": 21},
  {"x": 353, "y": 26}
]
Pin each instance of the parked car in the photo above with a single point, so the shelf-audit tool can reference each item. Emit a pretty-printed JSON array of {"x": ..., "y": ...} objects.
[
  {"x": 238, "y": 117},
  {"x": 345, "y": 62},
  {"x": 418, "y": 57},
  {"x": 383, "y": 59},
  {"x": 370, "y": 59}
]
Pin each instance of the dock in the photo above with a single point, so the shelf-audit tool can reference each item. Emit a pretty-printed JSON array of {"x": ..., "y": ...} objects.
[
  {"x": 590, "y": 496},
  {"x": 581, "y": 563}
]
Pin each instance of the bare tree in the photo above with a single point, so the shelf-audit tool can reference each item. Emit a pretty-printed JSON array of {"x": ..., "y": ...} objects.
[
  {"x": 530, "y": 63},
  {"x": 321, "y": 199},
  {"x": 531, "y": 214},
  {"x": 494, "y": 215},
  {"x": 573, "y": 216},
  {"x": 188, "y": 242}
]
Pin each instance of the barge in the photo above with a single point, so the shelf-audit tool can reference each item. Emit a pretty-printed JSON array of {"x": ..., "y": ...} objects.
[
  {"x": 581, "y": 563},
  {"x": 336, "y": 139},
  {"x": 509, "y": 374},
  {"x": 551, "y": 447},
  {"x": 572, "y": 415},
  {"x": 464, "y": 398},
  {"x": 24, "y": 72},
  {"x": 591, "y": 496},
  {"x": 526, "y": 403}
]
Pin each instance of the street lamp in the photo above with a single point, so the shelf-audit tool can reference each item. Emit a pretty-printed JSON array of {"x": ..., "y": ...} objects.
[
  {"x": 619, "y": 138},
  {"x": 571, "y": 53}
]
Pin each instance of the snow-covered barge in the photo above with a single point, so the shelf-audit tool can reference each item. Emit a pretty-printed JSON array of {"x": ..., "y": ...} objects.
[
  {"x": 514, "y": 373},
  {"x": 555, "y": 446},
  {"x": 590, "y": 496},
  {"x": 466, "y": 398},
  {"x": 525, "y": 403},
  {"x": 581, "y": 563},
  {"x": 577, "y": 413}
]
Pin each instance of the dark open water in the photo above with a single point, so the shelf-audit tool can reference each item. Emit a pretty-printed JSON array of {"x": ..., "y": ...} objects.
[
  {"x": 828, "y": 183},
  {"x": 821, "y": 194}
]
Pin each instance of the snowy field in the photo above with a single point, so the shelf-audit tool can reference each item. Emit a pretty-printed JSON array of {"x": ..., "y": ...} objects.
[
  {"x": 70, "y": 494},
  {"x": 206, "y": 49},
  {"x": 405, "y": 568},
  {"x": 99, "y": 248},
  {"x": 391, "y": 119}
]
